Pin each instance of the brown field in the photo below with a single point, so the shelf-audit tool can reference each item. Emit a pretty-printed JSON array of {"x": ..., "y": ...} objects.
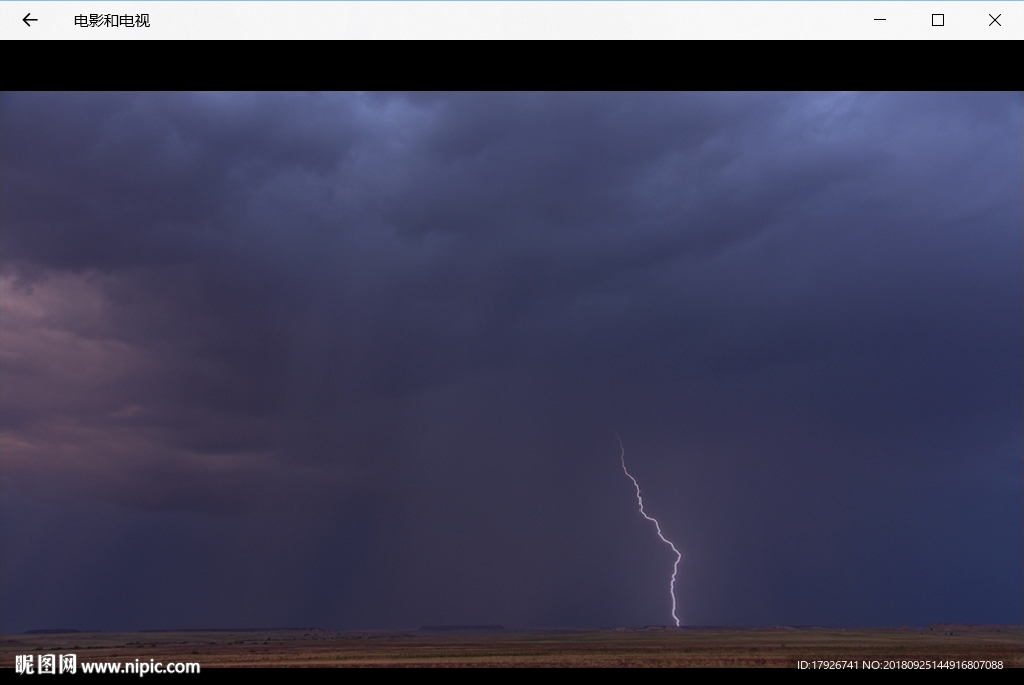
[{"x": 669, "y": 647}]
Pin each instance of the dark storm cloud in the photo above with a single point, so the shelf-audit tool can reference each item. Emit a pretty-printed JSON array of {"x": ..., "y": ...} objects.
[{"x": 395, "y": 334}]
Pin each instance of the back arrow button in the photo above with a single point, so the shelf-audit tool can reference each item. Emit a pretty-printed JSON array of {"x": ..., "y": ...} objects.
[{"x": 27, "y": 20}]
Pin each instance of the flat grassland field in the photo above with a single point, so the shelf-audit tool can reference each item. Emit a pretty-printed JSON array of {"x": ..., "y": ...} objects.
[{"x": 670, "y": 647}]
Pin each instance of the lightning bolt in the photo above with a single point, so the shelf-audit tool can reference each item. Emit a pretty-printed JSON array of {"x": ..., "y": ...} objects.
[{"x": 640, "y": 501}]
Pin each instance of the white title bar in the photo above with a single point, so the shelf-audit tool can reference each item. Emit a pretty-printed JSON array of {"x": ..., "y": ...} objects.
[{"x": 518, "y": 19}]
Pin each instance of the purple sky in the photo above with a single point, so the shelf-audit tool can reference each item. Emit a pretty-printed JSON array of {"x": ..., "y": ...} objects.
[{"x": 358, "y": 361}]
